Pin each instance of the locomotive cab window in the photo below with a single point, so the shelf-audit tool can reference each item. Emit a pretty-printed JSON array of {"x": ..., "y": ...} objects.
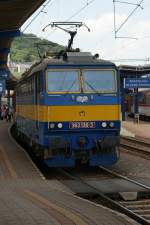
[
  {"x": 62, "y": 81},
  {"x": 103, "y": 81}
]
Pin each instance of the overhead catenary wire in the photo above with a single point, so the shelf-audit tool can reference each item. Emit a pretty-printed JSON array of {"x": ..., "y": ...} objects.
[
  {"x": 116, "y": 30},
  {"x": 34, "y": 18},
  {"x": 134, "y": 42},
  {"x": 135, "y": 39},
  {"x": 128, "y": 3},
  {"x": 73, "y": 15},
  {"x": 114, "y": 21},
  {"x": 87, "y": 3},
  {"x": 80, "y": 10},
  {"x": 138, "y": 5}
]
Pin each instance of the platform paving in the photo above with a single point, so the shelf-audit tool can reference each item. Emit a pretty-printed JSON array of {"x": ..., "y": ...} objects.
[
  {"x": 26, "y": 198},
  {"x": 141, "y": 130}
]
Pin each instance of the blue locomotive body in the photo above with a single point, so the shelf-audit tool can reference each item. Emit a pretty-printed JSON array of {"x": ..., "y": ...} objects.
[{"x": 69, "y": 111}]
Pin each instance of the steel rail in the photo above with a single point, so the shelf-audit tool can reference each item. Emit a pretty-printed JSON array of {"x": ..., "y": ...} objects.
[
  {"x": 125, "y": 178},
  {"x": 107, "y": 201},
  {"x": 135, "y": 182},
  {"x": 134, "y": 145},
  {"x": 135, "y": 140}
]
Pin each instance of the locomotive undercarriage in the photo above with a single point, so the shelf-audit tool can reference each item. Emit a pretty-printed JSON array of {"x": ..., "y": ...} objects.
[
  {"x": 82, "y": 155},
  {"x": 61, "y": 152}
]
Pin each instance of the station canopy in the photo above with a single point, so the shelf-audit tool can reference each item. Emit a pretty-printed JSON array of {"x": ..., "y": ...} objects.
[
  {"x": 127, "y": 71},
  {"x": 13, "y": 13}
]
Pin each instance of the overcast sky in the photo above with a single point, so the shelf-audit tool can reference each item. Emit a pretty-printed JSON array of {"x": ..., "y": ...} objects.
[{"x": 99, "y": 17}]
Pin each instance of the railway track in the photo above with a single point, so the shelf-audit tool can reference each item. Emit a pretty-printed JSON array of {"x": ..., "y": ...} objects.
[
  {"x": 135, "y": 146},
  {"x": 138, "y": 209}
]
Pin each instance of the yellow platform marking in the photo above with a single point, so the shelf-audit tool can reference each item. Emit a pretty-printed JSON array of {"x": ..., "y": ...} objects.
[
  {"x": 68, "y": 214},
  {"x": 69, "y": 113}
]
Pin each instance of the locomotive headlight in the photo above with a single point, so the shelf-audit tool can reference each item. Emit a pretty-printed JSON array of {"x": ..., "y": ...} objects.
[
  {"x": 60, "y": 125},
  {"x": 51, "y": 125},
  {"x": 104, "y": 124},
  {"x": 112, "y": 124}
]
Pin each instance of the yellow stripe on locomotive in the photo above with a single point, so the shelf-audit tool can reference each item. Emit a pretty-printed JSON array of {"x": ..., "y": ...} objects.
[{"x": 69, "y": 113}]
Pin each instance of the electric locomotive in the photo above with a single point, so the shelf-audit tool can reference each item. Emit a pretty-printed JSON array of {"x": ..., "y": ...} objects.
[{"x": 68, "y": 110}]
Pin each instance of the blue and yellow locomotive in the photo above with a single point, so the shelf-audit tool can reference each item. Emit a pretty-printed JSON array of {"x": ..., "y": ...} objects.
[{"x": 68, "y": 110}]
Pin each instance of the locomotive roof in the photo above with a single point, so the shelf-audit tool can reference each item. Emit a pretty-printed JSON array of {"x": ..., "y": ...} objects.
[{"x": 72, "y": 58}]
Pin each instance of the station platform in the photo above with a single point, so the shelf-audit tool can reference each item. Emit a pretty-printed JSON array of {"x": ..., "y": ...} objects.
[
  {"x": 27, "y": 198},
  {"x": 133, "y": 129}
]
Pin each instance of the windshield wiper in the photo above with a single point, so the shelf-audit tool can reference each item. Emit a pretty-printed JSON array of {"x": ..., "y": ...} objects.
[
  {"x": 96, "y": 91},
  {"x": 70, "y": 87}
]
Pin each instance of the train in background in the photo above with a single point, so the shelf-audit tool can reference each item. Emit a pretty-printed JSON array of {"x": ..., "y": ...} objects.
[
  {"x": 144, "y": 104},
  {"x": 68, "y": 109}
]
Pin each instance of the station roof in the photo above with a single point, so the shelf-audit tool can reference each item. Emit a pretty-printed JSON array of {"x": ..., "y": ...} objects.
[
  {"x": 132, "y": 71},
  {"x": 13, "y": 13}
]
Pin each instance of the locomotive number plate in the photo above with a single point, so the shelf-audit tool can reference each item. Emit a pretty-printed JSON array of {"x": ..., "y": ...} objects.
[{"x": 83, "y": 124}]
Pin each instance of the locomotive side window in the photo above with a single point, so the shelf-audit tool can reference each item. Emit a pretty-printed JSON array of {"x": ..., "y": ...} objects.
[
  {"x": 100, "y": 81},
  {"x": 63, "y": 81}
]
